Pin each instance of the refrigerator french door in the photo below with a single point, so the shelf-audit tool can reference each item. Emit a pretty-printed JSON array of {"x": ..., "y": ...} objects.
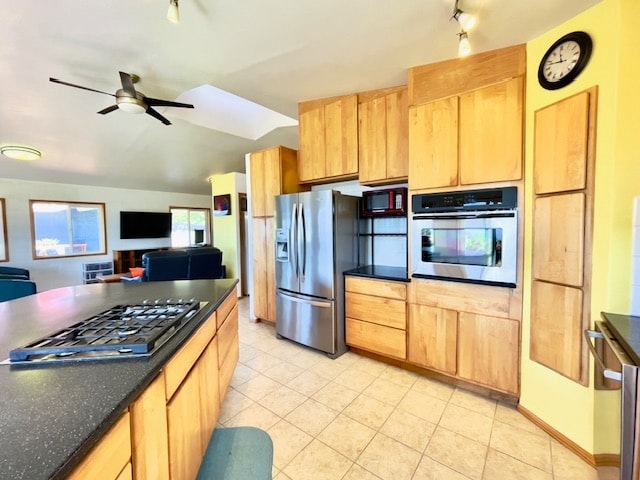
[{"x": 315, "y": 243}]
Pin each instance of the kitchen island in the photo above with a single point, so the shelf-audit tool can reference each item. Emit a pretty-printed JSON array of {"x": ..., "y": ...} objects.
[{"x": 53, "y": 415}]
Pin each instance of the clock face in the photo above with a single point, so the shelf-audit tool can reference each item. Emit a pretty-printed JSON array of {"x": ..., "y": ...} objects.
[
  {"x": 561, "y": 61},
  {"x": 564, "y": 60}
]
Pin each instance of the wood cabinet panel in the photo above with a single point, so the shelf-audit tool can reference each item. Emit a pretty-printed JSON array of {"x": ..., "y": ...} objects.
[
  {"x": 491, "y": 126},
  {"x": 127, "y": 473},
  {"x": 383, "y": 311},
  {"x": 184, "y": 421},
  {"x": 378, "y": 288},
  {"x": 227, "y": 366},
  {"x": 560, "y": 145},
  {"x": 376, "y": 338},
  {"x": 341, "y": 136},
  {"x": 209, "y": 379},
  {"x": 558, "y": 238},
  {"x": 312, "y": 153},
  {"x": 177, "y": 368},
  {"x": 228, "y": 333},
  {"x": 225, "y": 308},
  {"x": 264, "y": 289},
  {"x": 110, "y": 456},
  {"x": 433, "y": 144},
  {"x": 556, "y": 327},
  {"x": 489, "y": 351},
  {"x": 383, "y": 147},
  {"x": 150, "y": 453},
  {"x": 273, "y": 172},
  {"x": 432, "y": 337}
]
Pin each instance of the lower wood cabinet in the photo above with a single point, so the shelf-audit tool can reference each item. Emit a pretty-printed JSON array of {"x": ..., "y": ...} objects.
[
  {"x": 376, "y": 321},
  {"x": 432, "y": 341},
  {"x": 488, "y": 351},
  {"x": 165, "y": 432},
  {"x": 264, "y": 277}
]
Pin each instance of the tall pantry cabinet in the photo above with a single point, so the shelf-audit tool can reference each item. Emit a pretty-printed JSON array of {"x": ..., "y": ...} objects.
[{"x": 273, "y": 171}]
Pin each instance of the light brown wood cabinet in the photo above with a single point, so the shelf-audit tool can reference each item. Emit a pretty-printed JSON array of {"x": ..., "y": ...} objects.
[
  {"x": 273, "y": 172},
  {"x": 471, "y": 138},
  {"x": 489, "y": 351},
  {"x": 328, "y": 137},
  {"x": 564, "y": 168},
  {"x": 467, "y": 331},
  {"x": 376, "y": 320},
  {"x": 111, "y": 457},
  {"x": 383, "y": 147},
  {"x": 433, "y": 336}
]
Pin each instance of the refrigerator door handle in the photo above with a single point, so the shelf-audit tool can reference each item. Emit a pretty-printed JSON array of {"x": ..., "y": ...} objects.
[
  {"x": 302, "y": 242},
  {"x": 313, "y": 303},
  {"x": 293, "y": 236}
]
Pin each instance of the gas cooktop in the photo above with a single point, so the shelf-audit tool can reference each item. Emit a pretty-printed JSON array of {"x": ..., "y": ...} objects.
[{"x": 123, "y": 331}]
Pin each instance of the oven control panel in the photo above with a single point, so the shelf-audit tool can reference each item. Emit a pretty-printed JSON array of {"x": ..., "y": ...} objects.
[{"x": 487, "y": 199}]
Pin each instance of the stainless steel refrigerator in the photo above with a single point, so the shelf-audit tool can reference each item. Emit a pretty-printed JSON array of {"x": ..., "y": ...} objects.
[{"x": 316, "y": 241}]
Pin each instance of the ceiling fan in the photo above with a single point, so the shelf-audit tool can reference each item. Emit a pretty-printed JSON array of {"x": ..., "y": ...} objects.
[{"x": 129, "y": 100}]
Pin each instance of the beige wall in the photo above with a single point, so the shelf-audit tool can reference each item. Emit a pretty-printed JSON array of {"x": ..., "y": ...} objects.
[{"x": 586, "y": 417}]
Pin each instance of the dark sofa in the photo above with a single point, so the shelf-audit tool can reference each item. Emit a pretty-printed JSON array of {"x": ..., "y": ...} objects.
[{"x": 183, "y": 264}]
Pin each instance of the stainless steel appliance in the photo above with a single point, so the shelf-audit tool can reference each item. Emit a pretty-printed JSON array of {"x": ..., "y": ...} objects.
[
  {"x": 387, "y": 202},
  {"x": 315, "y": 243},
  {"x": 617, "y": 364},
  {"x": 123, "y": 331},
  {"x": 467, "y": 236}
]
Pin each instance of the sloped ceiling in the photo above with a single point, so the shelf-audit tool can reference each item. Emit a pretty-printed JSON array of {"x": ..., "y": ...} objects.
[{"x": 275, "y": 53}]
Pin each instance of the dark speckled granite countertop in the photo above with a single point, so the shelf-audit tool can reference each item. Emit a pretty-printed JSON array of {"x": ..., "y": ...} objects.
[
  {"x": 626, "y": 329},
  {"x": 380, "y": 271},
  {"x": 51, "y": 415}
]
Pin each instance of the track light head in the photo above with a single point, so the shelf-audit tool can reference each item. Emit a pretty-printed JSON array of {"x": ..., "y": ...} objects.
[
  {"x": 464, "y": 47},
  {"x": 173, "y": 14},
  {"x": 466, "y": 20}
]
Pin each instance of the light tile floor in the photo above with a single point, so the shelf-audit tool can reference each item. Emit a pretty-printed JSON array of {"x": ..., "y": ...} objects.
[{"x": 356, "y": 418}]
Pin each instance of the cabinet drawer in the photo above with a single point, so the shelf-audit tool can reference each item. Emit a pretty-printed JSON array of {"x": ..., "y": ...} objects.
[
  {"x": 225, "y": 307},
  {"x": 228, "y": 333},
  {"x": 379, "y": 288},
  {"x": 178, "y": 367},
  {"x": 376, "y": 338},
  {"x": 383, "y": 311}
]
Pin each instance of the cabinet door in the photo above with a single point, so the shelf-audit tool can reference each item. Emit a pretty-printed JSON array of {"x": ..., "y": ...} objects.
[
  {"x": 560, "y": 145},
  {"x": 558, "y": 238},
  {"x": 341, "y": 136},
  {"x": 488, "y": 351},
  {"x": 312, "y": 154},
  {"x": 397, "y": 105},
  {"x": 491, "y": 124},
  {"x": 372, "y": 140},
  {"x": 209, "y": 379},
  {"x": 258, "y": 173},
  {"x": 260, "y": 290},
  {"x": 270, "y": 258},
  {"x": 433, "y": 144},
  {"x": 432, "y": 337},
  {"x": 556, "y": 328}
]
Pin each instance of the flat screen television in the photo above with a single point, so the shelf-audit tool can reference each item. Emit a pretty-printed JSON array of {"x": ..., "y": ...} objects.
[{"x": 145, "y": 225}]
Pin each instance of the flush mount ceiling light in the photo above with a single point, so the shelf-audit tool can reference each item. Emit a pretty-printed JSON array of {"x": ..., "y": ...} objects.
[
  {"x": 464, "y": 47},
  {"x": 20, "y": 152},
  {"x": 173, "y": 14}
]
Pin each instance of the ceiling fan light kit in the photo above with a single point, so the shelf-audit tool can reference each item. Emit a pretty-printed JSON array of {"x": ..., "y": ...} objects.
[{"x": 20, "y": 152}]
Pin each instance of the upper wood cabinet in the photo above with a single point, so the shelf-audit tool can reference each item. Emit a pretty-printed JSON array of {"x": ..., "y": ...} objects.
[
  {"x": 433, "y": 144},
  {"x": 273, "y": 172},
  {"x": 328, "y": 131},
  {"x": 467, "y": 139},
  {"x": 560, "y": 145},
  {"x": 383, "y": 147}
]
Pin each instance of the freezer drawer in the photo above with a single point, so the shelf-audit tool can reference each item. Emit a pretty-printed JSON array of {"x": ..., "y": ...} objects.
[{"x": 307, "y": 320}]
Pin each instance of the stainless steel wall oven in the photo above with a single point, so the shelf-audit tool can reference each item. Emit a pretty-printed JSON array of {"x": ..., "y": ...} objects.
[{"x": 469, "y": 236}]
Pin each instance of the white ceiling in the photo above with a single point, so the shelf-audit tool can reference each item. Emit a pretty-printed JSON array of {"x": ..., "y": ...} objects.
[{"x": 275, "y": 53}]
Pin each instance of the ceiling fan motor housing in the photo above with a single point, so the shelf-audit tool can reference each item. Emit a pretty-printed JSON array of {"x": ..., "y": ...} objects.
[{"x": 129, "y": 103}]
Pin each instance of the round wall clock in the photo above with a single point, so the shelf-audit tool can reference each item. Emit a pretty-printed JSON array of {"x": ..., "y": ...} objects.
[{"x": 564, "y": 60}]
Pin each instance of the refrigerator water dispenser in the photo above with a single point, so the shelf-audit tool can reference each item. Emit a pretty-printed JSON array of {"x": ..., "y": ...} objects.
[{"x": 282, "y": 245}]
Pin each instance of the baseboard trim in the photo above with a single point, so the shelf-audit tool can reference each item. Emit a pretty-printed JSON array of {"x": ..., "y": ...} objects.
[{"x": 598, "y": 460}]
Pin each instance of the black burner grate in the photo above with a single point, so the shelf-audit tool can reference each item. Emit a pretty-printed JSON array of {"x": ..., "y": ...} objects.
[{"x": 123, "y": 330}]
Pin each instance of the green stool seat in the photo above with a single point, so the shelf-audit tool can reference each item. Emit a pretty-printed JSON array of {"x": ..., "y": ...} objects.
[{"x": 239, "y": 453}]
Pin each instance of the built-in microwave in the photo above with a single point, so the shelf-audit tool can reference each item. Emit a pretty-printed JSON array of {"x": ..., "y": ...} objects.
[{"x": 386, "y": 202}]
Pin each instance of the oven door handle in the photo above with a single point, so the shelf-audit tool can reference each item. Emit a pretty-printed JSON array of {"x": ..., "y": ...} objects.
[
  {"x": 607, "y": 372},
  {"x": 463, "y": 216}
]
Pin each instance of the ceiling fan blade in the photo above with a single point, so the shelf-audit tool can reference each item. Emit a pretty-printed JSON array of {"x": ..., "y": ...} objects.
[
  {"x": 108, "y": 109},
  {"x": 166, "y": 103},
  {"x": 127, "y": 84},
  {"x": 155, "y": 114},
  {"x": 55, "y": 80}
]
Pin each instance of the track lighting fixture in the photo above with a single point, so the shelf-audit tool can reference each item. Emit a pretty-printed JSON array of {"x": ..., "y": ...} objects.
[
  {"x": 173, "y": 14},
  {"x": 464, "y": 47}
]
